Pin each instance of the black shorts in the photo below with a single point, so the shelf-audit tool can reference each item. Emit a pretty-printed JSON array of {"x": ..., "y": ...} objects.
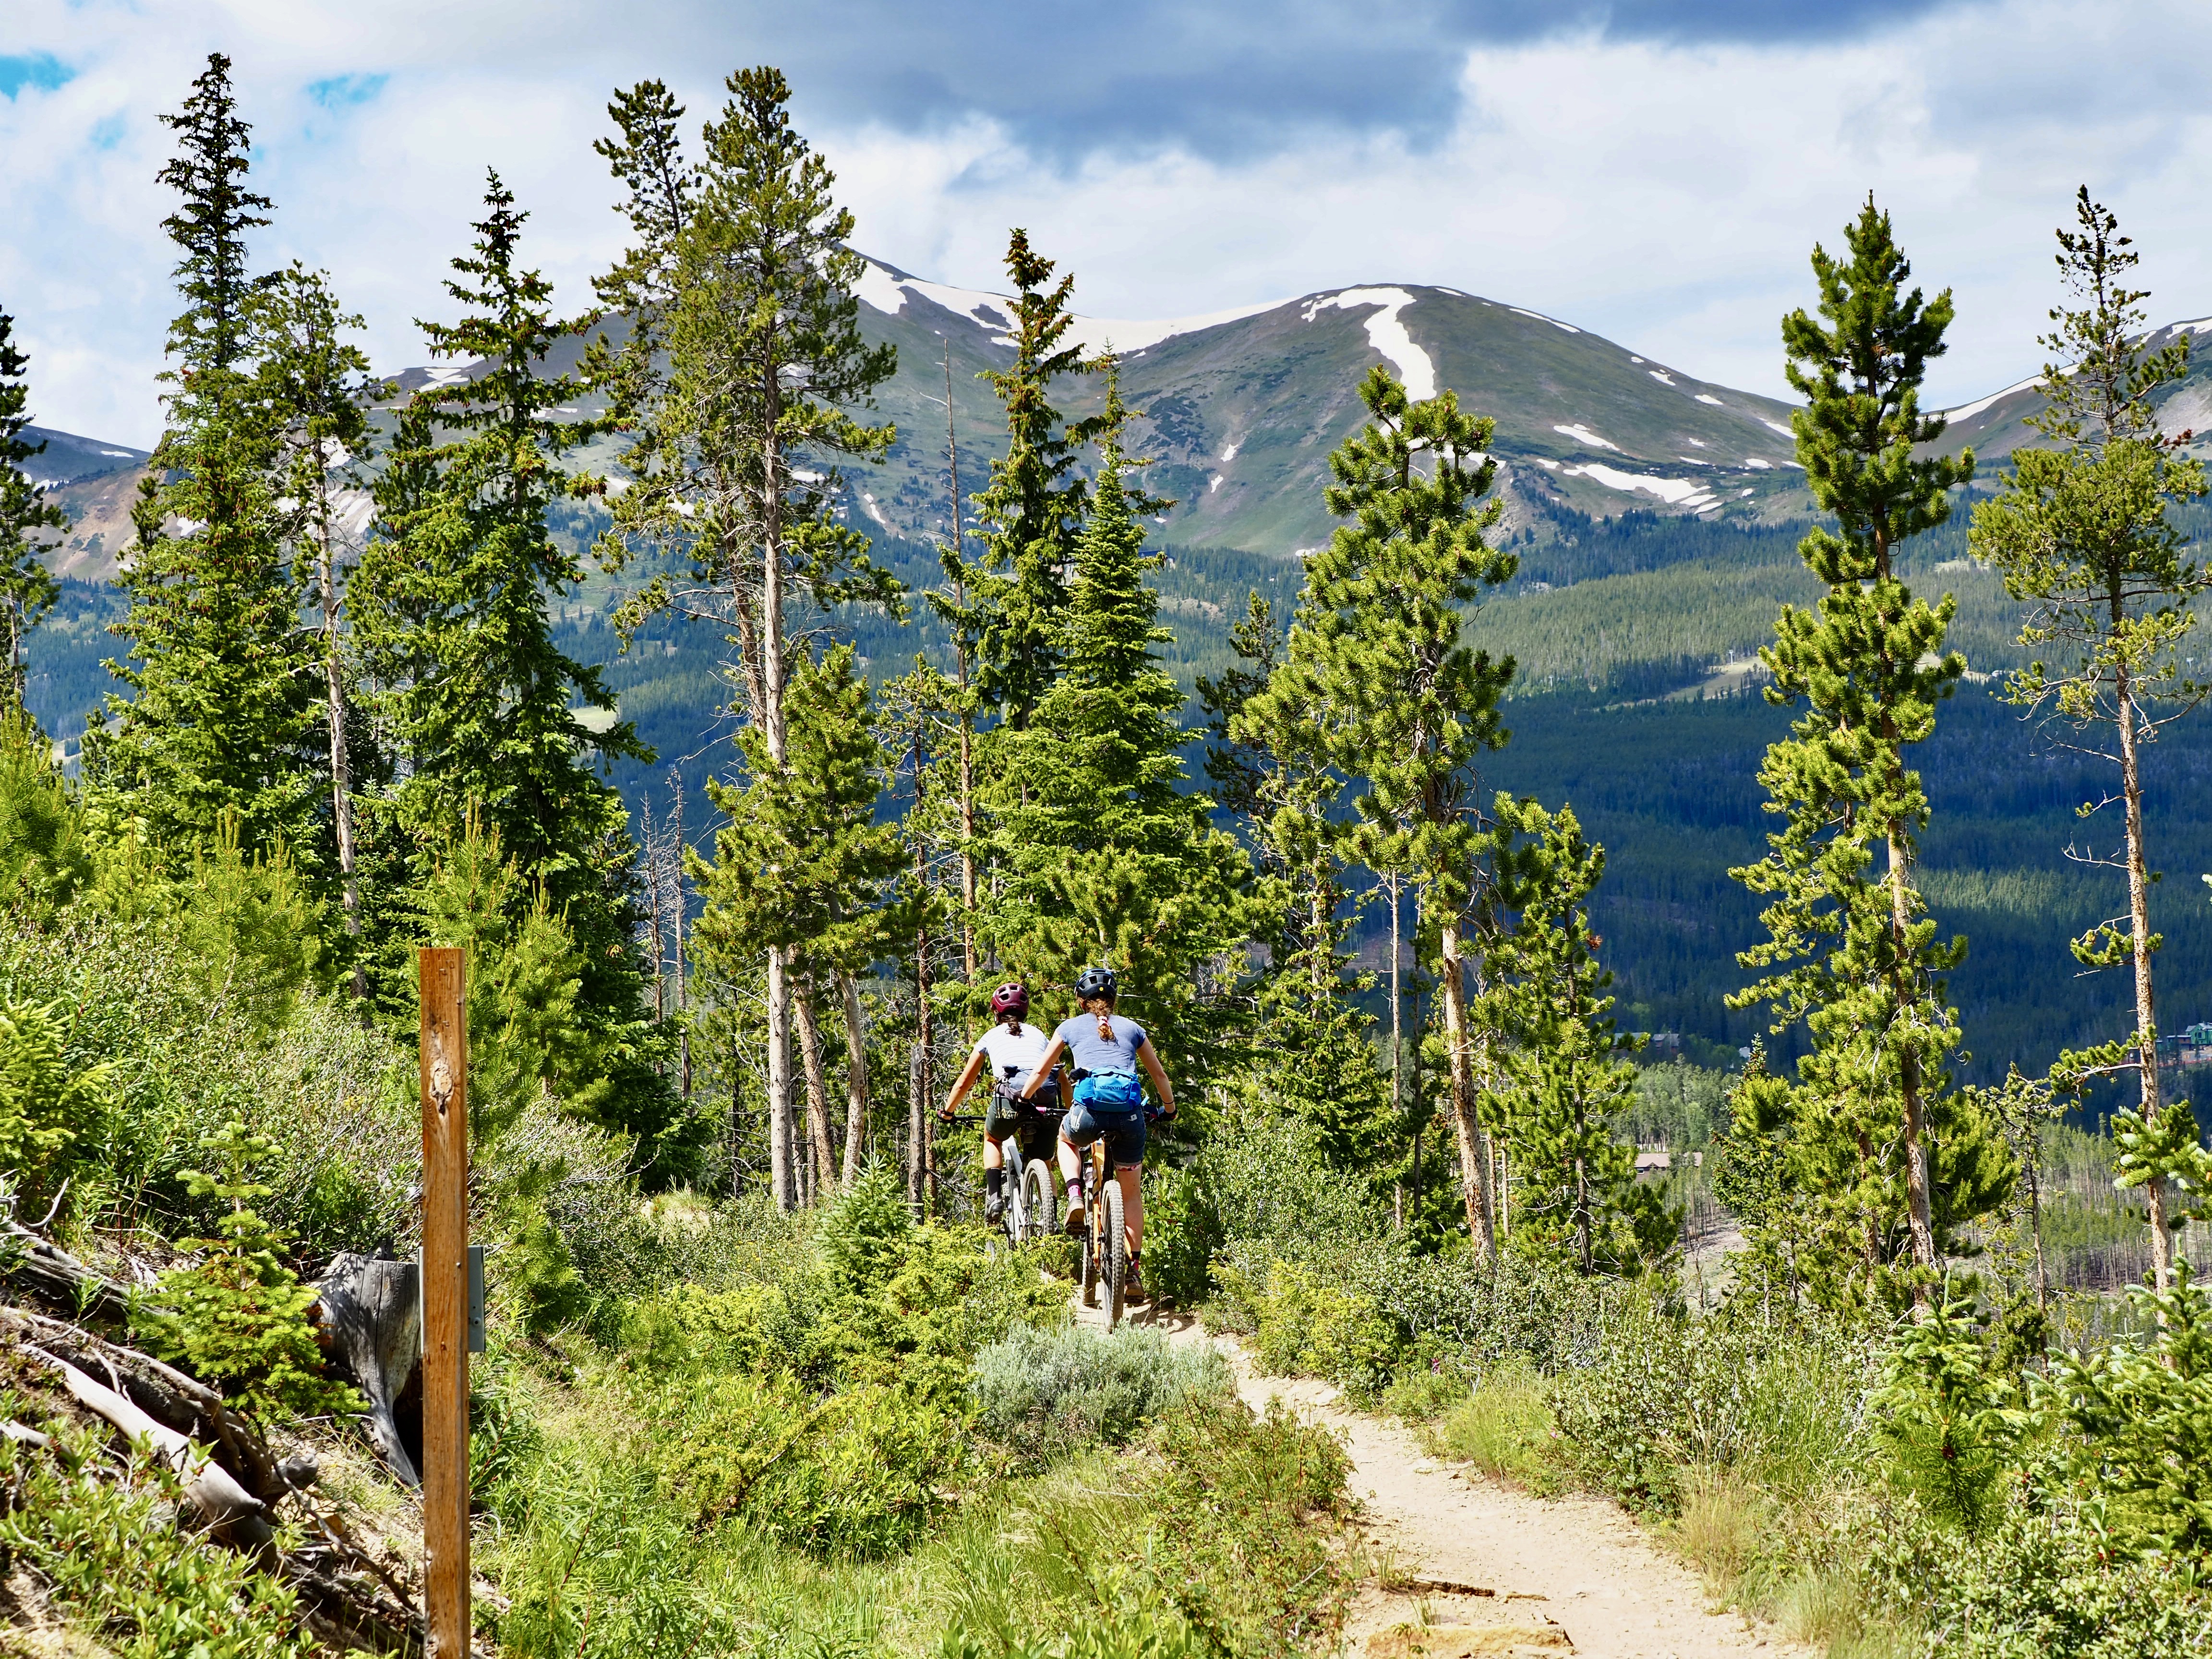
[
  {"x": 1123, "y": 1133},
  {"x": 1035, "y": 1130}
]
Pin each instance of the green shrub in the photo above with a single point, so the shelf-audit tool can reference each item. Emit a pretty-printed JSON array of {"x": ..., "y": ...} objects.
[
  {"x": 1667, "y": 1394},
  {"x": 2042, "y": 1581},
  {"x": 858, "y": 1474},
  {"x": 53, "y": 1106},
  {"x": 2143, "y": 1413},
  {"x": 1952, "y": 1423},
  {"x": 1304, "y": 1324},
  {"x": 1239, "y": 1501},
  {"x": 238, "y": 1315},
  {"x": 1048, "y": 1392},
  {"x": 1503, "y": 1426},
  {"x": 125, "y": 1575}
]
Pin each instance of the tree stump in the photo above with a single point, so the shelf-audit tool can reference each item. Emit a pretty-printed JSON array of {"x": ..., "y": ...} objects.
[{"x": 372, "y": 1311}]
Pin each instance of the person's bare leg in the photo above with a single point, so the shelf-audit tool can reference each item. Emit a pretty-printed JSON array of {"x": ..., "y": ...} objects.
[
  {"x": 994, "y": 1158},
  {"x": 1071, "y": 1172},
  {"x": 1132, "y": 1205}
]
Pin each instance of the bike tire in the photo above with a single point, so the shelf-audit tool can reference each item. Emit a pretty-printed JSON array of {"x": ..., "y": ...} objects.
[
  {"x": 1089, "y": 1236},
  {"x": 1040, "y": 1209},
  {"x": 1115, "y": 1245}
]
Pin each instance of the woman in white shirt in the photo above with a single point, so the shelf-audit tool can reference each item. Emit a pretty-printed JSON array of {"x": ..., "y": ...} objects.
[{"x": 1013, "y": 1048}]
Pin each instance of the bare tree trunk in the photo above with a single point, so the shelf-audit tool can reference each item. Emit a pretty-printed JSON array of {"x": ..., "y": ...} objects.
[
  {"x": 676, "y": 879},
  {"x": 822, "y": 1175},
  {"x": 1474, "y": 1142},
  {"x": 341, "y": 758},
  {"x": 1919, "y": 1216},
  {"x": 652, "y": 905},
  {"x": 856, "y": 1076},
  {"x": 772, "y": 726},
  {"x": 779, "y": 1080},
  {"x": 1397, "y": 1007},
  {"x": 2154, "y": 1105}
]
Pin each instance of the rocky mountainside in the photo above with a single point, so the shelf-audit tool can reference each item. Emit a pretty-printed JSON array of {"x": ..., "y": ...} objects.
[{"x": 1240, "y": 408}]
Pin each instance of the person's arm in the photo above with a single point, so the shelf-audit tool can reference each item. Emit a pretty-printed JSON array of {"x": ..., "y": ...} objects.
[
  {"x": 967, "y": 1081},
  {"x": 1152, "y": 1063},
  {"x": 1044, "y": 1068}
]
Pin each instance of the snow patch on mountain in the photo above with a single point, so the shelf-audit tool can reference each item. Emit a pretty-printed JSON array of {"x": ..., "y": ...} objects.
[
  {"x": 1661, "y": 375},
  {"x": 1964, "y": 411},
  {"x": 1676, "y": 492},
  {"x": 1229, "y": 454},
  {"x": 886, "y": 290},
  {"x": 1582, "y": 435},
  {"x": 1386, "y": 334},
  {"x": 1518, "y": 312},
  {"x": 1764, "y": 467},
  {"x": 1708, "y": 398},
  {"x": 1778, "y": 427}
]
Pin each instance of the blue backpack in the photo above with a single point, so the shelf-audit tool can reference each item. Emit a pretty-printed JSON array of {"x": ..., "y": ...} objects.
[{"x": 1109, "y": 1091}]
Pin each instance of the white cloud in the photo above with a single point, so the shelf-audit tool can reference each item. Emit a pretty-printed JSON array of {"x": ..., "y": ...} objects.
[{"x": 1663, "y": 195}]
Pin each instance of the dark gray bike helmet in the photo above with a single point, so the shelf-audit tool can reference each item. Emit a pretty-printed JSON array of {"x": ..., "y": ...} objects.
[{"x": 1096, "y": 983}]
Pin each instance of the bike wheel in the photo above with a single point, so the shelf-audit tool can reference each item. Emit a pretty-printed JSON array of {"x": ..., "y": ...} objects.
[
  {"x": 1012, "y": 1219},
  {"x": 1113, "y": 1246},
  {"x": 1041, "y": 1211}
]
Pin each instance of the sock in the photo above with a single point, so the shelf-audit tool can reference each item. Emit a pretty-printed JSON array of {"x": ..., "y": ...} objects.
[{"x": 994, "y": 1181}]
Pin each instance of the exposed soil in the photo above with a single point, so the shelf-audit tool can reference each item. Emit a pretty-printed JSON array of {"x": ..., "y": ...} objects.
[{"x": 1470, "y": 1566}]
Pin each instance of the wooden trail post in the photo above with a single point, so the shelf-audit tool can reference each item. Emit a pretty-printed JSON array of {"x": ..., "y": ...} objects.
[{"x": 445, "y": 1302}]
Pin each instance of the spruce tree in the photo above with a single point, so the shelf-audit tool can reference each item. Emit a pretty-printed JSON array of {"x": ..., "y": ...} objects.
[
  {"x": 1566, "y": 1078},
  {"x": 315, "y": 383},
  {"x": 1033, "y": 506},
  {"x": 739, "y": 392},
  {"x": 221, "y": 719},
  {"x": 1102, "y": 855},
  {"x": 27, "y": 589},
  {"x": 804, "y": 865},
  {"x": 2080, "y": 532},
  {"x": 450, "y": 606},
  {"x": 1851, "y": 952},
  {"x": 1379, "y": 680}
]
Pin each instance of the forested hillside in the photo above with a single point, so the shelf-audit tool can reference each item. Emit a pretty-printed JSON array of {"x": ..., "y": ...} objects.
[{"x": 1484, "y": 984}]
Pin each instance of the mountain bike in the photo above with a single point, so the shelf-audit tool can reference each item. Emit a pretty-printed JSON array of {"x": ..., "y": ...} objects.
[
  {"x": 1032, "y": 1209},
  {"x": 1105, "y": 1240}
]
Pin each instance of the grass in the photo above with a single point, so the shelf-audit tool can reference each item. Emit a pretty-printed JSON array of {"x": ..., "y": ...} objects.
[{"x": 1503, "y": 1427}]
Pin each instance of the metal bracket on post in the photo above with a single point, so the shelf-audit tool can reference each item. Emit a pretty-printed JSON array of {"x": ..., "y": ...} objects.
[{"x": 476, "y": 1295}]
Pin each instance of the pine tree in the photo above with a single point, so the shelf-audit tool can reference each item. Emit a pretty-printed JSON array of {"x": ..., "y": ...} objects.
[
  {"x": 1033, "y": 506},
  {"x": 2080, "y": 533},
  {"x": 1379, "y": 677},
  {"x": 803, "y": 866},
  {"x": 1851, "y": 951},
  {"x": 27, "y": 589},
  {"x": 451, "y": 607},
  {"x": 314, "y": 383},
  {"x": 221, "y": 719},
  {"x": 1268, "y": 772},
  {"x": 1102, "y": 855},
  {"x": 1567, "y": 1076},
  {"x": 741, "y": 283}
]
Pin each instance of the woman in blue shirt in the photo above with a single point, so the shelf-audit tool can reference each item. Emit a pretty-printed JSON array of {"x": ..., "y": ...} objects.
[{"x": 1110, "y": 1102}]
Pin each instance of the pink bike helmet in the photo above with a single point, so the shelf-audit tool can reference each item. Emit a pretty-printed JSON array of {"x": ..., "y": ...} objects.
[{"x": 1012, "y": 997}]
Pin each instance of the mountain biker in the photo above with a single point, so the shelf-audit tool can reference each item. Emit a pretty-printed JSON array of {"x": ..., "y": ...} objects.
[
  {"x": 1109, "y": 1102},
  {"x": 1013, "y": 1048}
]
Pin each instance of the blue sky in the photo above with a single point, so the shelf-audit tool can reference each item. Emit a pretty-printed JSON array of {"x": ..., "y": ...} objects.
[{"x": 1653, "y": 171}]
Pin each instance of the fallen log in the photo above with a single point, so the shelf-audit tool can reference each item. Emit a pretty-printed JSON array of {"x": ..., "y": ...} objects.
[
  {"x": 236, "y": 1516},
  {"x": 372, "y": 1308},
  {"x": 180, "y": 1402},
  {"x": 56, "y": 1277}
]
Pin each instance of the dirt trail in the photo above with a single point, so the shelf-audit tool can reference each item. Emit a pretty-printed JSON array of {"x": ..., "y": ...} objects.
[{"x": 1500, "y": 1571}]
